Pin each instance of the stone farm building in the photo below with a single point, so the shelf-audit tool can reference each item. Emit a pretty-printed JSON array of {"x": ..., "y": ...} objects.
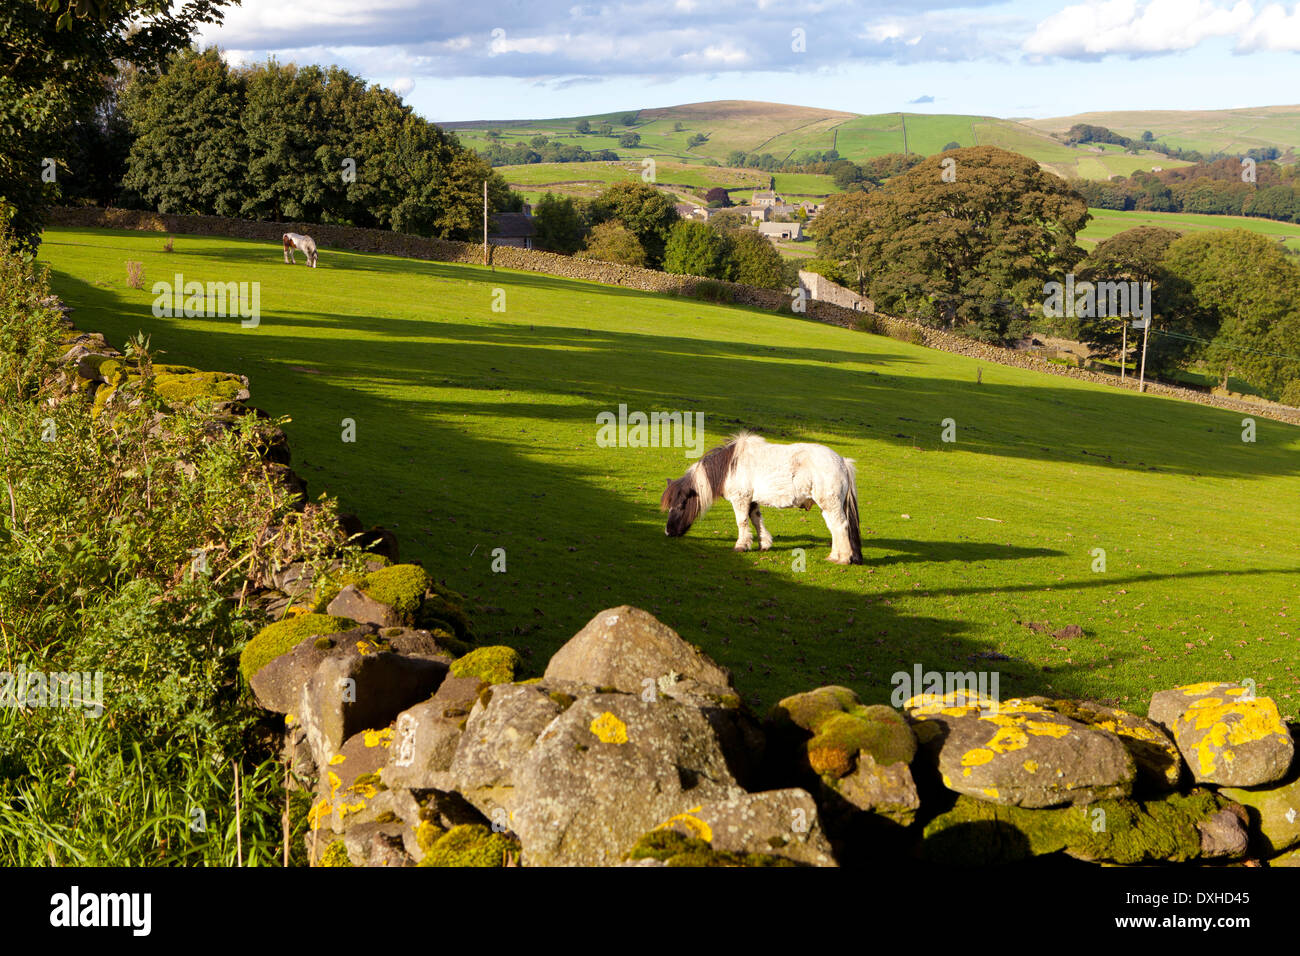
[
  {"x": 781, "y": 230},
  {"x": 512, "y": 229}
]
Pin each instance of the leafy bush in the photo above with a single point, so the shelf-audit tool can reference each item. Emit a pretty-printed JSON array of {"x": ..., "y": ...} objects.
[{"x": 126, "y": 542}]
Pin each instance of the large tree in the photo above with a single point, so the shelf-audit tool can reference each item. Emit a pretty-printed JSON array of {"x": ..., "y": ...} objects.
[
  {"x": 1252, "y": 288},
  {"x": 647, "y": 211},
  {"x": 190, "y": 154},
  {"x": 1177, "y": 319},
  {"x": 964, "y": 241},
  {"x": 696, "y": 250},
  {"x": 560, "y": 224},
  {"x": 58, "y": 59}
]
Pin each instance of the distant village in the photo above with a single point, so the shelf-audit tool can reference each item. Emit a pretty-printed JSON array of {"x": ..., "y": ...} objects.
[{"x": 776, "y": 219}]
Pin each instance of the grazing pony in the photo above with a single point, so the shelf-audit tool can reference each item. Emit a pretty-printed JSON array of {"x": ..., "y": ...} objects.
[
  {"x": 304, "y": 244},
  {"x": 748, "y": 472}
]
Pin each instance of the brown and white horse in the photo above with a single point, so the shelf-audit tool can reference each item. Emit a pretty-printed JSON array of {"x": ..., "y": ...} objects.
[
  {"x": 304, "y": 244},
  {"x": 749, "y": 471}
]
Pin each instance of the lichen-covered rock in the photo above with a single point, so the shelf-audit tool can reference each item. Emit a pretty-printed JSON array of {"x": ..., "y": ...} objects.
[
  {"x": 400, "y": 586},
  {"x": 1274, "y": 814},
  {"x": 361, "y": 686},
  {"x": 350, "y": 781},
  {"x": 494, "y": 665},
  {"x": 1122, "y": 831},
  {"x": 417, "y": 642},
  {"x": 1227, "y": 736},
  {"x": 502, "y": 729},
  {"x": 354, "y": 603},
  {"x": 283, "y": 636},
  {"x": 278, "y": 684},
  {"x": 781, "y": 823},
  {"x": 860, "y": 753},
  {"x": 608, "y": 769},
  {"x": 1023, "y": 754},
  {"x": 376, "y": 844},
  {"x": 1159, "y": 764},
  {"x": 625, "y": 647},
  {"x": 472, "y": 844},
  {"x": 425, "y": 736}
]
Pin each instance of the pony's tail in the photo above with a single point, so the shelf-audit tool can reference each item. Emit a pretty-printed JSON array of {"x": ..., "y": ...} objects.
[{"x": 851, "y": 512}]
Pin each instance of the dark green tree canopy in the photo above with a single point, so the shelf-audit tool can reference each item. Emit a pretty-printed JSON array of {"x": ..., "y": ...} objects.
[{"x": 965, "y": 240}]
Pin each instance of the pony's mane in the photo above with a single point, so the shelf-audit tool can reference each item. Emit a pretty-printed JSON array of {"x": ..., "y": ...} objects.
[{"x": 716, "y": 466}]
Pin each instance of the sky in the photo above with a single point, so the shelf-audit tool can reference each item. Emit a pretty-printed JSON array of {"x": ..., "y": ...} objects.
[{"x": 533, "y": 59}]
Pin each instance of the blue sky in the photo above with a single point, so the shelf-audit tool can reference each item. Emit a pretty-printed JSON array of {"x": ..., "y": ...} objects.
[{"x": 1034, "y": 58}]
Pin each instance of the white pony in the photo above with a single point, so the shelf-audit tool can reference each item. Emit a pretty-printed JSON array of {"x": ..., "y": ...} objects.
[
  {"x": 748, "y": 472},
  {"x": 304, "y": 244}
]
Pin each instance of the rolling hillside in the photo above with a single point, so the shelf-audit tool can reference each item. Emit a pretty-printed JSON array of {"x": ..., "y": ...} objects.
[
  {"x": 1229, "y": 131},
  {"x": 789, "y": 131}
]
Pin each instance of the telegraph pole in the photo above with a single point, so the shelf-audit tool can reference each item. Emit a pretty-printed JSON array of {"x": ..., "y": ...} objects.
[
  {"x": 485, "y": 218},
  {"x": 1142, "y": 375}
]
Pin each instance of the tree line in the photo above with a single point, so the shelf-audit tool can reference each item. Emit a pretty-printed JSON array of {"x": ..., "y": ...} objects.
[
  {"x": 969, "y": 240},
  {"x": 1225, "y": 187}
]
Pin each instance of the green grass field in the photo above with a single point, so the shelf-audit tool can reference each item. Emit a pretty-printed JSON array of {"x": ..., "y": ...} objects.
[
  {"x": 476, "y": 430},
  {"x": 1107, "y": 222}
]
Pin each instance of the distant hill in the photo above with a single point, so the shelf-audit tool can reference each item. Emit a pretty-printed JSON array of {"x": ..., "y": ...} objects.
[
  {"x": 1227, "y": 131},
  {"x": 788, "y": 131}
]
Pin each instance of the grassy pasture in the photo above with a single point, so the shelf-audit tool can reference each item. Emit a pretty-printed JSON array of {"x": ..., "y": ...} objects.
[
  {"x": 1107, "y": 222},
  {"x": 476, "y": 430}
]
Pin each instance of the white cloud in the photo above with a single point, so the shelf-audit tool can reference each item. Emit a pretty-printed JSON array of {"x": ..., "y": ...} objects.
[
  {"x": 1273, "y": 29},
  {"x": 402, "y": 85},
  {"x": 1098, "y": 27}
]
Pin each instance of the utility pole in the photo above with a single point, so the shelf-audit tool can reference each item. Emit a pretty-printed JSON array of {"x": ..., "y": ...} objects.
[
  {"x": 1123, "y": 349},
  {"x": 485, "y": 218},
  {"x": 1142, "y": 375},
  {"x": 902, "y": 118}
]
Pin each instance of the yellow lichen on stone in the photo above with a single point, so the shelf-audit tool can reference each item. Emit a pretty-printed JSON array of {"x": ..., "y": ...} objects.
[
  {"x": 1255, "y": 719},
  {"x": 697, "y": 827},
  {"x": 337, "y": 759},
  {"x": 1042, "y": 728},
  {"x": 1192, "y": 690},
  {"x": 976, "y": 757},
  {"x": 319, "y": 811},
  {"x": 991, "y": 792},
  {"x": 1031, "y": 766},
  {"x": 379, "y": 738},
  {"x": 609, "y": 729},
  {"x": 334, "y": 783}
]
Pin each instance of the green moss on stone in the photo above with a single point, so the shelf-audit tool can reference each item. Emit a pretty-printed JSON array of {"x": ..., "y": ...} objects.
[
  {"x": 809, "y": 709},
  {"x": 336, "y": 854},
  {"x": 283, "y": 636},
  {"x": 470, "y": 844},
  {"x": 427, "y": 834},
  {"x": 400, "y": 586},
  {"x": 195, "y": 388},
  {"x": 329, "y": 586},
  {"x": 977, "y": 832},
  {"x": 496, "y": 664}
]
